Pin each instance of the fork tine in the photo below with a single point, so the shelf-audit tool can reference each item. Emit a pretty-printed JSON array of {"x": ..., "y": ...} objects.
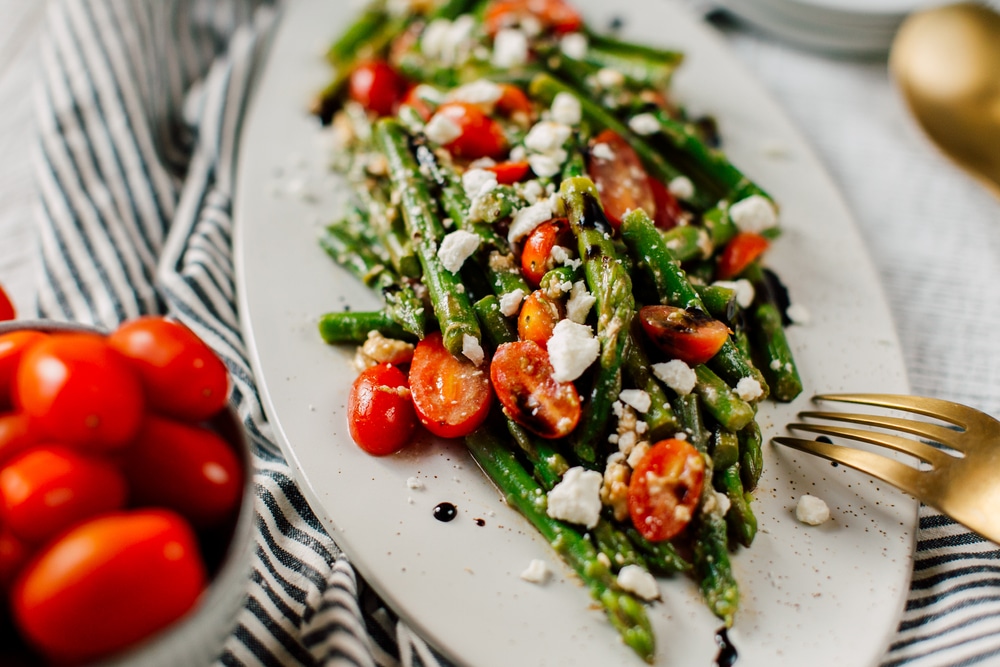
[
  {"x": 953, "y": 413},
  {"x": 937, "y": 433},
  {"x": 921, "y": 450},
  {"x": 900, "y": 475}
]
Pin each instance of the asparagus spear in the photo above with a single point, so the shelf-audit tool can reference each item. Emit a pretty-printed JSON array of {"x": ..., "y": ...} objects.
[
  {"x": 351, "y": 326},
  {"x": 768, "y": 338}
]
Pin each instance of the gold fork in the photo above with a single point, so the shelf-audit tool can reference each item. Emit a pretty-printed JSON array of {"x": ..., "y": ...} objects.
[{"x": 959, "y": 471}]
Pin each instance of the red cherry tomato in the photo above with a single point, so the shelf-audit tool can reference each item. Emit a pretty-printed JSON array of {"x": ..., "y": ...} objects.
[
  {"x": 14, "y": 553},
  {"x": 12, "y": 347},
  {"x": 620, "y": 178},
  {"x": 419, "y": 105},
  {"x": 509, "y": 173},
  {"x": 380, "y": 410},
  {"x": 107, "y": 583},
  {"x": 537, "y": 318},
  {"x": 514, "y": 104},
  {"x": 182, "y": 376},
  {"x": 685, "y": 334},
  {"x": 185, "y": 468},
  {"x": 739, "y": 253},
  {"x": 77, "y": 390},
  {"x": 16, "y": 435},
  {"x": 376, "y": 86},
  {"x": 669, "y": 213},
  {"x": 536, "y": 255},
  {"x": 452, "y": 396},
  {"x": 556, "y": 15},
  {"x": 50, "y": 487},
  {"x": 480, "y": 136},
  {"x": 665, "y": 488},
  {"x": 7, "y": 311},
  {"x": 522, "y": 378}
]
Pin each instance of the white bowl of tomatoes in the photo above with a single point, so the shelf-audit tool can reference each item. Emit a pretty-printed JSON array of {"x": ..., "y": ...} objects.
[{"x": 125, "y": 496}]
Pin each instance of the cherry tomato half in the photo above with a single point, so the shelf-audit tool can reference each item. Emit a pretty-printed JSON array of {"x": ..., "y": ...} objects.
[
  {"x": 480, "y": 136},
  {"x": 7, "y": 311},
  {"x": 377, "y": 87},
  {"x": 665, "y": 488},
  {"x": 538, "y": 317},
  {"x": 182, "y": 376},
  {"x": 522, "y": 378},
  {"x": 186, "y": 468},
  {"x": 412, "y": 99},
  {"x": 620, "y": 178},
  {"x": 452, "y": 396},
  {"x": 556, "y": 15},
  {"x": 107, "y": 583},
  {"x": 514, "y": 104},
  {"x": 78, "y": 391},
  {"x": 50, "y": 487},
  {"x": 686, "y": 334},
  {"x": 669, "y": 213},
  {"x": 380, "y": 410},
  {"x": 509, "y": 173},
  {"x": 738, "y": 254},
  {"x": 536, "y": 255},
  {"x": 12, "y": 347}
]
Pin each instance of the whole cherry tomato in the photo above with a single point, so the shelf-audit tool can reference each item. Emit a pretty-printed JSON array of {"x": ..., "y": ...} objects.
[
  {"x": 77, "y": 390},
  {"x": 7, "y": 311},
  {"x": 480, "y": 136},
  {"x": 186, "y": 468},
  {"x": 12, "y": 347},
  {"x": 380, "y": 410},
  {"x": 16, "y": 435},
  {"x": 377, "y": 87},
  {"x": 107, "y": 583},
  {"x": 536, "y": 255},
  {"x": 620, "y": 178},
  {"x": 182, "y": 376},
  {"x": 686, "y": 334},
  {"x": 14, "y": 553},
  {"x": 50, "y": 487},
  {"x": 665, "y": 488},
  {"x": 538, "y": 317},
  {"x": 739, "y": 253},
  {"x": 522, "y": 378},
  {"x": 452, "y": 396}
]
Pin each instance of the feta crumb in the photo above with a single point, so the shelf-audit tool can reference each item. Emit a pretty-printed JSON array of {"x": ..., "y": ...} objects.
[
  {"x": 723, "y": 502},
  {"x": 457, "y": 247},
  {"x": 580, "y": 301},
  {"x": 798, "y": 314},
  {"x": 414, "y": 483},
  {"x": 744, "y": 290},
  {"x": 639, "y": 451},
  {"x": 547, "y": 136},
  {"x": 472, "y": 350},
  {"x": 677, "y": 375},
  {"x": 749, "y": 389},
  {"x": 566, "y": 109},
  {"x": 637, "y": 398},
  {"x": 644, "y": 124},
  {"x": 602, "y": 151},
  {"x": 442, "y": 130},
  {"x": 532, "y": 191},
  {"x": 576, "y": 498},
  {"x": 755, "y": 214},
  {"x": 610, "y": 78},
  {"x": 635, "y": 579},
  {"x": 812, "y": 510},
  {"x": 537, "y": 572},
  {"x": 510, "y": 48},
  {"x": 482, "y": 92},
  {"x": 544, "y": 166},
  {"x": 526, "y": 219},
  {"x": 574, "y": 45},
  {"x": 681, "y": 187},
  {"x": 434, "y": 36},
  {"x": 572, "y": 349},
  {"x": 479, "y": 182},
  {"x": 510, "y": 302}
]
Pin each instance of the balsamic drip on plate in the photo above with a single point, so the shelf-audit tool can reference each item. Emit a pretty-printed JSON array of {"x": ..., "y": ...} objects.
[
  {"x": 727, "y": 652},
  {"x": 445, "y": 512}
]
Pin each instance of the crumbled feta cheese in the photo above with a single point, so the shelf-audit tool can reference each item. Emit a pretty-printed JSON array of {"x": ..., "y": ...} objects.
[
  {"x": 478, "y": 182},
  {"x": 472, "y": 350},
  {"x": 566, "y": 109},
  {"x": 577, "y": 497},
  {"x": 755, "y": 214},
  {"x": 428, "y": 93},
  {"x": 572, "y": 349},
  {"x": 442, "y": 130},
  {"x": 723, "y": 503},
  {"x": 635, "y": 579},
  {"x": 574, "y": 45},
  {"x": 749, "y": 389},
  {"x": 812, "y": 510},
  {"x": 457, "y": 247},
  {"x": 677, "y": 375},
  {"x": 798, "y": 314},
  {"x": 414, "y": 483},
  {"x": 614, "y": 490},
  {"x": 526, "y": 219},
  {"x": 638, "y": 452},
  {"x": 547, "y": 136},
  {"x": 537, "y": 572},
  {"x": 644, "y": 124},
  {"x": 744, "y": 289},
  {"x": 544, "y": 165},
  {"x": 381, "y": 349},
  {"x": 580, "y": 301},
  {"x": 510, "y": 48},
  {"x": 610, "y": 78},
  {"x": 681, "y": 187},
  {"x": 637, "y": 398},
  {"x": 510, "y": 302},
  {"x": 532, "y": 191},
  {"x": 602, "y": 151},
  {"x": 433, "y": 38},
  {"x": 482, "y": 93}
]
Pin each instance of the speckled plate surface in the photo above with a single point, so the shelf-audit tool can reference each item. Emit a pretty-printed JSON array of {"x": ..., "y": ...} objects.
[{"x": 818, "y": 596}]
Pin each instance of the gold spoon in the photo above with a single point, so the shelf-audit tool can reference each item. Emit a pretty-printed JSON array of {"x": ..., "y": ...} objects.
[{"x": 946, "y": 63}]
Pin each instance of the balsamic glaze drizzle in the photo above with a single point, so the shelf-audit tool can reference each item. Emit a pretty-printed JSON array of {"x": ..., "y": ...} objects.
[
  {"x": 445, "y": 512},
  {"x": 727, "y": 652}
]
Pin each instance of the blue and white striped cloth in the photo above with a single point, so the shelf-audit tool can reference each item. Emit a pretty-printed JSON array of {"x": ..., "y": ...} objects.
[{"x": 139, "y": 111}]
